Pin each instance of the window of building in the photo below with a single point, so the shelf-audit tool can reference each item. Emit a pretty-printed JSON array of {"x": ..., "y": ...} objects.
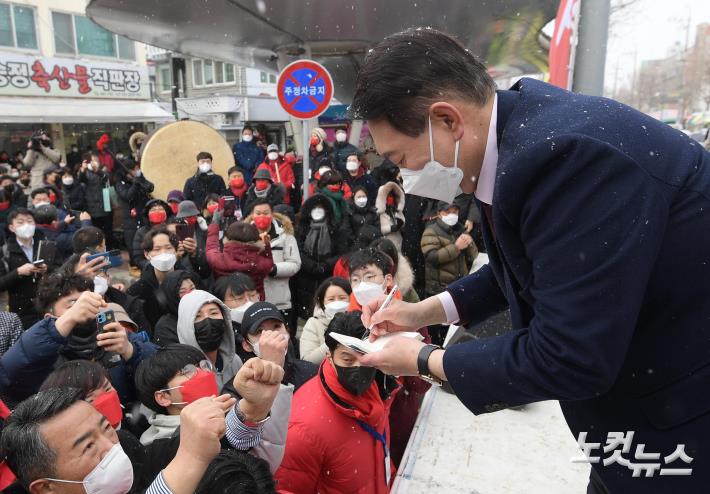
[
  {"x": 166, "y": 83},
  {"x": 264, "y": 77},
  {"x": 17, "y": 26},
  {"x": 212, "y": 73},
  {"x": 272, "y": 78},
  {"x": 78, "y": 35}
]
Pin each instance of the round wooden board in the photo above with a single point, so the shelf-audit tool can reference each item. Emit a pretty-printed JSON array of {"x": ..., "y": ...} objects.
[{"x": 168, "y": 158}]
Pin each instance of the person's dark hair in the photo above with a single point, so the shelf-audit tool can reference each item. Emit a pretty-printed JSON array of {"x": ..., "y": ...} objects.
[
  {"x": 358, "y": 154},
  {"x": 387, "y": 246},
  {"x": 261, "y": 201},
  {"x": 236, "y": 283},
  {"x": 87, "y": 156},
  {"x": 330, "y": 178},
  {"x": 327, "y": 283},
  {"x": 347, "y": 323},
  {"x": 6, "y": 177},
  {"x": 147, "y": 244},
  {"x": 203, "y": 155},
  {"x": 387, "y": 88},
  {"x": 22, "y": 445},
  {"x": 237, "y": 472},
  {"x": 235, "y": 169},
  {"x": 369, "y": 256},
  {"x": 324, "y": 160},
  {"x": 38, "y": 191},
  {"x": 87, "y": 238},
  {"x": 210, "y": 197},
  {"x": 155, "y": 372},
  {"x": 249, "y": 128},
  {"x": 85, "y": 375},
  {"x": 17, "y": 212},
  {"x": 58, "y": 285},
  {"x": 242, "y": 232},
  {"x": 44, "y": 215}
]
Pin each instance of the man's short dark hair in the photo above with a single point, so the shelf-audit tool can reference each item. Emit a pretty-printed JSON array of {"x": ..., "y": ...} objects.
[
  {"x": 249, "y": 128},
  {"x": 347, "y": 323},
  {"x": 370, "y": 256},
  {"x": 45, "y": 215},
  {"x": 408, "y": 71},
  {"x": 262, "y": 201},
  {"x": 203, "y": 155},
  {"x": 38, "y": 191},
  {"x": 87, "y": 238},
  {"x": 330, "y": 177},
  {"x": 17, "y": 212},
  {"x": 85, "y": 375},
  {"x": 236, "y": 283},
  {"x": 22, "y": 444},
  {"x": 56, "y": 286},
  {"x": 385, "y": 245},
  {"x": 242, "y": 232},
  {"x": 358, "y": 154},
  {"x": 237, "y": 472},
  {"x": 235, "y": 169},
  {"x": 154, "y": 373},
  {"x": 147, "y": 244}
]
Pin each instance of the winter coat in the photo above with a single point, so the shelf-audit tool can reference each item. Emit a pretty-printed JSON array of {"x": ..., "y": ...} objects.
[
  {"x": 365, "y": 180},
  {"x": 237, "y": 256},
  {"x": 74, "y": 196},
  {"x": 62, "y": 234},
  {"x": 287, "y": 259},
  {"x": 29, "y": 361},
  {"x": 137, "y": 256},
  {"x": 228, "y": 363},
  {"x": 327, "y": 450},
  {"x": 21, "y": 290},
  {"x": 200, "y": 184},
  {"x": 391, "y": 217},
  {"x": 360, "y": 217},
  {"x": 146, "y": 289},
  {"x": 315, "y": 268},
  {"x": 248, "y": 156},
  {"x": 94, "y": 183},
  {"x": 312, "y": 344},
  {"x": 444, "y": 262},
  {"x": 134, "y": 194},
  {"x": 404, "y": 278},
  {"x": 165, "y": 332},
  {"x": 274, "y": 195},
  {"x": 341, "y": 151},
  {"x": 132, "y": 305},
  {"x": 281, "y": 173},
  {"x": 39, "y": 162}
]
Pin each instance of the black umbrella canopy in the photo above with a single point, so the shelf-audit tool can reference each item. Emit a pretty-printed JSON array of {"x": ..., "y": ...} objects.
[{"x": 503, "y": 33}]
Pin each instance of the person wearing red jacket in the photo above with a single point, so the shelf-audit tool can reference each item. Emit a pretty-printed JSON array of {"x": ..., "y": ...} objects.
[
  {"x": 338, "y": 432},
  {"x": 245, "y": 251},
  {"x": 280, "y": 169}
]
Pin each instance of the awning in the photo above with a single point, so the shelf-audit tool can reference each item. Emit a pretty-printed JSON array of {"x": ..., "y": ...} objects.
[{"x": 77, "y": 110}]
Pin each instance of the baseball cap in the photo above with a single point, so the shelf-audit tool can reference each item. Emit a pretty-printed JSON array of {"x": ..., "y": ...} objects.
[{"x": 257, "y": 314}]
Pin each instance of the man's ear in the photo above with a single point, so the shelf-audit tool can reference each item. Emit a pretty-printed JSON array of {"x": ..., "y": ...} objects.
[
  {"x": 146, "y": 254},
  {"x": 162, "y": 399},
  {"x": 447, "y": 114},
  {"x": 389, "y": 279},
  {"x": 41, "y": 486}
]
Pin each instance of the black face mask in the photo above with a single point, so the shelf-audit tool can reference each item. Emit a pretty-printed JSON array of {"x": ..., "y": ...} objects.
[
  {"x": 209, "y": 333},
  {"x": 356, "y": 380}
]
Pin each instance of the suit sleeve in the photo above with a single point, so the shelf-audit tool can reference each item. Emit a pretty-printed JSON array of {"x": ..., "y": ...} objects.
[{"x": 592, "y": 227}]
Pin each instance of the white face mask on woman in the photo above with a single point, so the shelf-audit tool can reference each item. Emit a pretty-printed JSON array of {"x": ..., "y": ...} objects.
[
  {"x": 317, "y": 214},
  {"x": 450, "y": 219},
  {"x": 332, "y": 308}
]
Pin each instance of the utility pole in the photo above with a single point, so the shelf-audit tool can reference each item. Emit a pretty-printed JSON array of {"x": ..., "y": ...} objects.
[{"x": 590, "y": 58}]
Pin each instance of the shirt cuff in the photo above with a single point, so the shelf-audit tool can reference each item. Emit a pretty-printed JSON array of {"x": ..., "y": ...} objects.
[
  {"x": 447, "y": 301},
  {"x": 159, "y": 486},
  {"x": 240, "y": 435}
]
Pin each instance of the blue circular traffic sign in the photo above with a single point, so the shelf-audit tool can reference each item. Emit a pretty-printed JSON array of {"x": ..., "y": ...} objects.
[{"x": 305, "y": 89}]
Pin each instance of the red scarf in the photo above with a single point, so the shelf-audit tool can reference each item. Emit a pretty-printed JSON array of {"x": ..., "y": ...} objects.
[
  {"x": 239, "y": 191},
  {"x": 368, "y": 407}
]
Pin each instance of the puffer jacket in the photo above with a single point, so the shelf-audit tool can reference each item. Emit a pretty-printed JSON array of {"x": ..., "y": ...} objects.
[
  {"x": 249, "y": 259},
  {"x": 165, "y": 332},
  {"x": 39, "y": 161},
  {"x": 287, "y": 259},
  {"x": 281, "y": 172},
  {"x": 444, "y": 262},
  {"x": 247, "y": 156},
  {"x": 391, "y": 217},
  {"x": 95, "y": 182},
  {"x": 29, "y": 361},
  {"x": 327, "y": 450},
  {"x": 312, "y": 345}
]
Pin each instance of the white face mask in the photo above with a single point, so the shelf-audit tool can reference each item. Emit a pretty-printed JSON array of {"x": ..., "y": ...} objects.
[
  {"x": 14, "y": 174},
  {"x": 42, "y": 203},
  {"x": 273, "y": 155},
  {"x": 25, "y": 231},
  {"x": 204, "y": 167},
  {"x": 247, "y": 138},
  {"x": 367, "y": 291},
  {"x": 100, "y": 285},
  {"x": 238, "y": 313},
  {"x": 450, "y": 219},
  {"x": 113, "y": 474},
  {"x": 341, "y": 136},
  {"x": 62, "y": 164},
  {"x": 352, "y": 166},
  {"x": 336, "y": 306},
  {"x": 163, "y": 262},
  {"x": 361, "y": 202},
  {"x": 68, "y": 181},
  {"x": 317, "y": 214},
  {"x": 435, "y": 180}
]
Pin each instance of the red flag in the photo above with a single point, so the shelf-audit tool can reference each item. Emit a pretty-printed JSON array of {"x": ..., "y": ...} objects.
[{"x": 561, "y": 50}]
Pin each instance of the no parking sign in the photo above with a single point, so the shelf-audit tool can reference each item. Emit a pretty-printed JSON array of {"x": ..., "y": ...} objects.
[{"x": 305, "y": 89}]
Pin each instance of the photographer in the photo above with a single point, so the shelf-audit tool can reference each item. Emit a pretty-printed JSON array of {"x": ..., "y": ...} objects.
[{"x": 40, "y": 156}]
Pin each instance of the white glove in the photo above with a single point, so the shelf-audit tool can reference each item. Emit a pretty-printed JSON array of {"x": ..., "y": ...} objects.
[{"x": 202, "y": 223}]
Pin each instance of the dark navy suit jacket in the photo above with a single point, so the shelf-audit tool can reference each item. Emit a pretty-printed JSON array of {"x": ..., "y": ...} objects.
[{"x": 601, "y": 251}]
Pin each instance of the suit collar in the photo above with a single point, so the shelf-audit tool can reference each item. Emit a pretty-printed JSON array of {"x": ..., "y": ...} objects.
[{"x": 506, "y": 104}]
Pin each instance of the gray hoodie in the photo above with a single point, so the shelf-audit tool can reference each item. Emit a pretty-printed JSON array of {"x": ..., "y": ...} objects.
[{"x": 189, "y": 306}]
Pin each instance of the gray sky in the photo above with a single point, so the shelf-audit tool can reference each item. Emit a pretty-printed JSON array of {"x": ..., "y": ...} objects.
[{"x": 649, "y": 29}]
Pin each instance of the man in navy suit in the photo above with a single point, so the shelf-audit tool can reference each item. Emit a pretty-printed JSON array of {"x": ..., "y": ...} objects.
[{"x": 597, "y": 223}]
